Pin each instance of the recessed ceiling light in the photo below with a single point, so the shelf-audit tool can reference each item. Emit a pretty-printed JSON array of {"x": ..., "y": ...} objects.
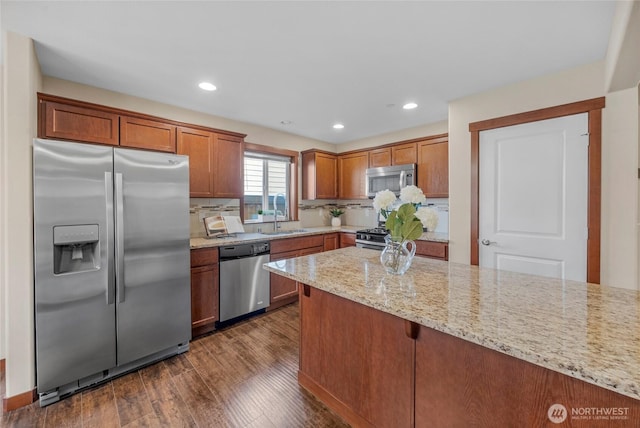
[
  {"x": 409, "y": 106},
  {"x": 207, "y": 86},
  {"x": 338, "y": 126},
  {"x": 285, "y": 122}
]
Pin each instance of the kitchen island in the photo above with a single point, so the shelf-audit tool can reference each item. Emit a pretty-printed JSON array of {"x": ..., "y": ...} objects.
[{"x": 456, "y": 345}]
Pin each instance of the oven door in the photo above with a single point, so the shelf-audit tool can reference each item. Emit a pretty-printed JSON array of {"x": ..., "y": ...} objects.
[{"x": 369, "y": 245}]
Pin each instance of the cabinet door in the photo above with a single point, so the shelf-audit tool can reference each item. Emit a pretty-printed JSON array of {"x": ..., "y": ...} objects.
[
  {"x": 228, "y": 173},
  {"x": 319, "y": 176},
  {"x": 283, "y": 288},
  {"x": 403, "y": 154},
  {"x": 347, "y": 240},
  {"x": 331, "y": 241},
  {"x": 433, "y": 169},
  {"x": 351, "y": 175},
  {"x": 380, "y": 157},
  {"x": 204, "y": 298},
  {"x": 434, "y": 250},
  {"x": 67, "y": 122},
  {"x": 198, "y": 145},
  {"x": 147, "y": 134}
]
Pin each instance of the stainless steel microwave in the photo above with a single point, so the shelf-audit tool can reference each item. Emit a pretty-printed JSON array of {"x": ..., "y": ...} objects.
[{"x": 391, "y": 178}]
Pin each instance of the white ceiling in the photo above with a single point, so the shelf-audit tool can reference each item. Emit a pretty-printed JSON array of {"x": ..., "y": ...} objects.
[{"x": 313, "y": 63}]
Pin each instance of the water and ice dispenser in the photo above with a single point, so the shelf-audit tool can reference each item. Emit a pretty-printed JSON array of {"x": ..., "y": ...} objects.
[{"x": 75, "y": 248}]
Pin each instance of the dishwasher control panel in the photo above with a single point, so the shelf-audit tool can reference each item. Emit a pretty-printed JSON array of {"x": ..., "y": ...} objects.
[{"x": 244, "y": 250}]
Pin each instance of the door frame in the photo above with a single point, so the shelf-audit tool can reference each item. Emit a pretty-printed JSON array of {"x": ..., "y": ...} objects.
[{"x": 594, "y": 108}]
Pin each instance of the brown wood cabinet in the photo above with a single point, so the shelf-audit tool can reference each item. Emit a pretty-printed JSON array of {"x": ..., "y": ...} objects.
[
  {"x": 86, "y": 124},
  {"x": 402, "y": 154},
  {"x": 147, "y": 134},
  {"x": 285, "y": 290},
  {"x": 433, "y": 167},
  {"x": 205, "y": 290},
  {"x": 380, "y": 157},
  {"x": 228, "y": 172},
  {"x": 347, "y": 239},
  {"x": 215, "y": 163},
  {"x": 356, "y": 359},
  {"x": 319, "y": 175},
  {"x": 432, "y": 249},
  {"x": 331, "y": 241},
  {"x": 351, "y": 175},
  {"x": 198, "y": 145}
]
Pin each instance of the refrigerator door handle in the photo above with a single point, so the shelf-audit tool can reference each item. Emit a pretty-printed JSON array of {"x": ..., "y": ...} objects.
[
  {"x": 119, "y": 199},
  {"x": 108, "y": 191}
]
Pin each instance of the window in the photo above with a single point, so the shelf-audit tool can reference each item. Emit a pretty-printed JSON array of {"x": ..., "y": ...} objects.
[{"x": 267, "y": 177}]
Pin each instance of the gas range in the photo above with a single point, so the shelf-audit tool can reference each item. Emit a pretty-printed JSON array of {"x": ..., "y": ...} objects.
[{"x": 371, "y": 238}]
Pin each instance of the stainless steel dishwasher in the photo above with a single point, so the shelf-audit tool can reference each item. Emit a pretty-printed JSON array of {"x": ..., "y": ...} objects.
[{"x": 244, "y": 284}]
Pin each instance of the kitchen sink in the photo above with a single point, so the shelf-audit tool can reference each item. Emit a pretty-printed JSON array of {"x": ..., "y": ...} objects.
[{"x": 284, "y": 232}]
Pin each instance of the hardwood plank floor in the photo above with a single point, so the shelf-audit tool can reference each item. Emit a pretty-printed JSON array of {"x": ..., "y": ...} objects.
[{"x": 242, "y": 376}]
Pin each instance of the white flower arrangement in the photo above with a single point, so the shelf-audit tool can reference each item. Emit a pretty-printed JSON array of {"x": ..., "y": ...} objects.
[{"x": 407, "y": 220}]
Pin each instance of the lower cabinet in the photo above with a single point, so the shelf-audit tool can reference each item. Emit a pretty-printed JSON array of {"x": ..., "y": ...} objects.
[
  {"x": 432, "y": 249},
  {"x": 347, "y": 239},
  {"x": 285, "y": 290},
  {"x": 357, "y": 360},
  {"x": 331, "y": 241},
  {"x": 205, "y": 290}
]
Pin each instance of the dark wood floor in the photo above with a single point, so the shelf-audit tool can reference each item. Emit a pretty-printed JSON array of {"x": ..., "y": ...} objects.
[{"x": 242, "y": 376}]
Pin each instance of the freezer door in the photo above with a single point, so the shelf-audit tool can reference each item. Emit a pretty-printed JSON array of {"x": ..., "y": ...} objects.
[
  {"x": 152, "y": 252},
  {"x": 73, "y": 237}
]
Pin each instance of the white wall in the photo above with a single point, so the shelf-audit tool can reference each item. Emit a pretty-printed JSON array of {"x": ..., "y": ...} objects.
[
  {"x": 21, "y": 69},
  {"x": 619, "y": 168},
  {"x": 3, "y": 313},
  {"x": 619, "y": 247},
  {"x": 255, "y": 134}
]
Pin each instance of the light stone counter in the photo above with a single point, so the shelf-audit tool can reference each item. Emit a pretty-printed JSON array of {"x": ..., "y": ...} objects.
[
  {"x": 586, "y": 331},
  {"x": 242, "y": 238}
]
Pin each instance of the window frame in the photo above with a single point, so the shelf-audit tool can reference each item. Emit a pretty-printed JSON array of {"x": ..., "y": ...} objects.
[{"x": 293, "y": 176}]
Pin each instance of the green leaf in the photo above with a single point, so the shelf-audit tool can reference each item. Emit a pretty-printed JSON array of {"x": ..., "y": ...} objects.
[
  {"x": 406, "y": 212},
  {"x": 391, "y": 220},
  {"x": 412, "y": 229}
]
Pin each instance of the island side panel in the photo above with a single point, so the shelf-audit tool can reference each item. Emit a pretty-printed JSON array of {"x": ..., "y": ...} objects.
[
  {"x": 357, "y": 360},
  {"x": 459, "y": 383}
]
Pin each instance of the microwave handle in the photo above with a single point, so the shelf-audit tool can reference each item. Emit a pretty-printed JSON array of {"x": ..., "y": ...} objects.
[{"x": 402, "y": 179}]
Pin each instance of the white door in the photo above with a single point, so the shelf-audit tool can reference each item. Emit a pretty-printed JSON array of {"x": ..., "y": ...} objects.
[{"x": 533, "y": 198}]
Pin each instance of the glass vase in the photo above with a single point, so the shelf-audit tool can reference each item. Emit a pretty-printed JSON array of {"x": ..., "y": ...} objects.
[{"x": 396, "y": 258}]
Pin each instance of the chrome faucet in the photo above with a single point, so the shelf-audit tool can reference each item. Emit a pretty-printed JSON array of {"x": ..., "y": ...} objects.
[{"x": 275, "y": 210}]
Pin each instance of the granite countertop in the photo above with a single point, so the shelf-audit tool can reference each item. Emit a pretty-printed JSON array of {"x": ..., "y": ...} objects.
[
  {"x": 307, "y": 231},
  {"x": 586, "y": 331}
]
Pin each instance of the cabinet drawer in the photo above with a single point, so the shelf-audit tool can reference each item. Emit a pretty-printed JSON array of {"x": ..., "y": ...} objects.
[
  {"x": 312, "y": 250},
  {"x": 436, "y": 250},
  {"x": 290, "y": 244},
  {"x": 204, "y": 256}
]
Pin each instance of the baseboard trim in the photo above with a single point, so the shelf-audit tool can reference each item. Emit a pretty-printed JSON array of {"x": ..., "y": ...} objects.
[{"x": 20, "y": 400}]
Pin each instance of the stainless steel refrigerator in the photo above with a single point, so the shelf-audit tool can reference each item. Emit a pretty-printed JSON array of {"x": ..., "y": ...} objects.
[{"x": 111, "y": 260}]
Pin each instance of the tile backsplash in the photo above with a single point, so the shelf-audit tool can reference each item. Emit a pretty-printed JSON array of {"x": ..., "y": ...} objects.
[{"x": 310, "y": 214}]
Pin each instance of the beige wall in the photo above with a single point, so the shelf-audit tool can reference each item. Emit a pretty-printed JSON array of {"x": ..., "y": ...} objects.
[
  {"x": 619, "y": 248},
  {"x": 435, "y": 128},
  {"x": 620, "y": 146},
  {"x": 21, "y": 69},
  {"x": 255, "y": 134},
  {"x": 3, "y": 312}
]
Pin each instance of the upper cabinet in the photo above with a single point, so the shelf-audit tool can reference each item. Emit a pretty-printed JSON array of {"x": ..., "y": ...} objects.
[
  {"x": 319, "y": 175},
  {"x": 228, "y": 172},
  {"x": 380, "y": 157},
  {"x": 433, "y": 167},
  {"x": 215, "y": 163},
  {"x": 402, "y": 154},
  {"x": 64, "y": 121},
  {"x": 198, "y": 145},
  {"x": 215, "y": 156},
  {"x": 147, "y": 134},
  {"x": 351, "y": 175}
]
